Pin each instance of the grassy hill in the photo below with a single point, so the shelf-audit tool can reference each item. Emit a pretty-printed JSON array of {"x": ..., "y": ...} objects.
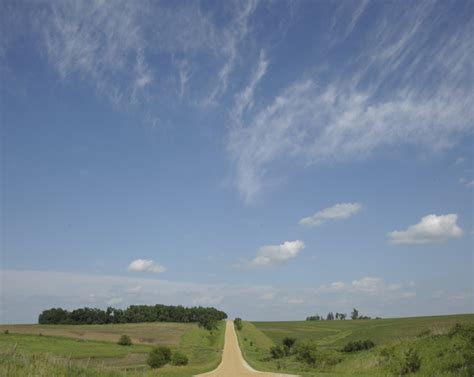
[
  {"x": 91, "y": 350},
  {"x": 441, "y": 354}
]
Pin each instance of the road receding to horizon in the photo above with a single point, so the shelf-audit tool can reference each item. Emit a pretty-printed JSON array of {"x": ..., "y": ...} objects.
[{"x": 233, "y": 364}]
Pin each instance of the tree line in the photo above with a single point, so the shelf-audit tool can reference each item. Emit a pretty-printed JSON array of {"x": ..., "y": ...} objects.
[
  {"x": 133, "y": 314},
  {"x": 338, "y": 316}
]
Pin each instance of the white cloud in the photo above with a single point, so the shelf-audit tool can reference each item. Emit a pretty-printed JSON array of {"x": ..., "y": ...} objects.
[
  {"x": 459, "y": 160},
  {"x": 338, "y": 211},
  {"x": 271, "y": 255},
  {"x": 431, "y": 229},
  {"x": 146, "y": 265}
]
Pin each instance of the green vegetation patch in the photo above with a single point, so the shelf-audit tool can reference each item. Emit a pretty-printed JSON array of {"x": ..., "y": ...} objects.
[
  {"x": 60, "y": 356},
  {"x": 425, "y": 346}
]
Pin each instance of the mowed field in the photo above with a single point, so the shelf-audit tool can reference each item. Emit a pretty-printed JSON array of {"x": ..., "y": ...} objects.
[
  {"x": 161, "y": 333},
  {"x": 83, "y": 350},
  {"x": 440, "y": 353}
]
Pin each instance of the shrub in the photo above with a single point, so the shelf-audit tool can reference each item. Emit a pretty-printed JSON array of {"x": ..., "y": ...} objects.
[
  {"x": 6, "y": 332},
  {"x": 125, "y": 340},
  {"x": 238, "y": 323},
  {"x": 277, "y": 352},
  {"x": 307, "y": 353},
  {"x": 464, "y": 347},
  {"x": 158, "y": 357},
  {"x": 464, "y": 331},
  {"x": 208, "y": 323},
  {"x": 179, "y": 358},
  {"x": 411, "y": 362},
  {"x": 358, "y": 345},
  {"x": 288, "y": 344}
]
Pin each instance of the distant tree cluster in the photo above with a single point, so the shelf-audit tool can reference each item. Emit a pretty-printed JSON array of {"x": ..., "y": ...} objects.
[
  {"x": 355, "y": 315},
  {"x": 338, "y": 316},
  {"x": 207, "y": 317}
]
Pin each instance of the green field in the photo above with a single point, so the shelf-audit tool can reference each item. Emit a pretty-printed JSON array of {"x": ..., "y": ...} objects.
[
  {"x": 31, "y": 350},
  {"x": 428, "y": 336}
]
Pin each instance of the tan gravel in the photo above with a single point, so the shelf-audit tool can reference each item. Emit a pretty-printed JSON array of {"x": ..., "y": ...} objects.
[{"x": 233, "y": 364}]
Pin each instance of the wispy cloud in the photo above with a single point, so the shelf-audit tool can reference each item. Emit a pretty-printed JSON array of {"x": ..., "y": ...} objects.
[
  {"x": 431, "y": 229},
  {"x": 382, "y": 97},
  {"x": 368, "y": 286},
  {"x": 338, "y": 211},
  {"x": 233, "y": 36},
  {"x": 244, "y": 100},
  {"x": 272, "y": 255},
  {"x": 466, "y": 182},
  {"x": 100, "y": 42}
]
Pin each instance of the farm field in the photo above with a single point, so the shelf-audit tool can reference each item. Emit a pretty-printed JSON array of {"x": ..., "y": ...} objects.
[
  {"x": 68, "y": 349},
  {"x": 162, "y": 333},
  {"x": 440, "y": 353}
]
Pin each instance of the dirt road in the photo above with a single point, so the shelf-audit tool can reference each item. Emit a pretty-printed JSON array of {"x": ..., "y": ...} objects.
[{"x": 233, "y": 364}]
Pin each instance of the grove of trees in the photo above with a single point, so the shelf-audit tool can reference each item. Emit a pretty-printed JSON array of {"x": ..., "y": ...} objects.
[
  {"x": 133, "y": 314},
  {"x": 339, "y": 316}
]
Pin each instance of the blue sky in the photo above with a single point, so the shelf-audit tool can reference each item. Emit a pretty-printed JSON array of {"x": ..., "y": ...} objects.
[{"x": 272, "y": 159}]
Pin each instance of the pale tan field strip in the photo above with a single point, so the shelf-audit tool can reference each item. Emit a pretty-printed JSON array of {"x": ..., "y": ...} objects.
[{"x": 233, "y": 363}]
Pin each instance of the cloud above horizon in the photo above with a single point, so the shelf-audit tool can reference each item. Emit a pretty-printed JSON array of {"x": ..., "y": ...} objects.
[
  {"x": 431, "y": 229},
  {"x": 30, "y": 292},
  {"x": 146, "y": 265},
  {"x": 340, "y": 211},
  {"x": 272, "y": 255}
]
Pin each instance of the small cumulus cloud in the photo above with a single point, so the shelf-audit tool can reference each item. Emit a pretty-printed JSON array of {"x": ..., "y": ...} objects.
[
  {"x": 338, "y": 211},
  {"x": 431, "y": 229},
  {"x": 272, "y": 255},
  {"x": 146, "y": 265},
  {"x": 466, "y": 182}
]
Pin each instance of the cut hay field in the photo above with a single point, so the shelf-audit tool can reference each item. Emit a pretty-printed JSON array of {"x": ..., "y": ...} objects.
[
  {"x": 161, "y": 333},
  {"x": 90, "y": 350},
  {"x": 440, "y": 353}
]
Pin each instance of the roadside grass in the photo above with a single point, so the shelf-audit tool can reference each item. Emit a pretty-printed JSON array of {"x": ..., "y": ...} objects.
[
  {"x": 36, "y": 355},
  {"x": 441, "y": 355}
]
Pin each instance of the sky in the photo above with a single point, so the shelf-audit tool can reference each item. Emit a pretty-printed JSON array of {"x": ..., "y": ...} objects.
[{"x": 274, "y": 159}]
